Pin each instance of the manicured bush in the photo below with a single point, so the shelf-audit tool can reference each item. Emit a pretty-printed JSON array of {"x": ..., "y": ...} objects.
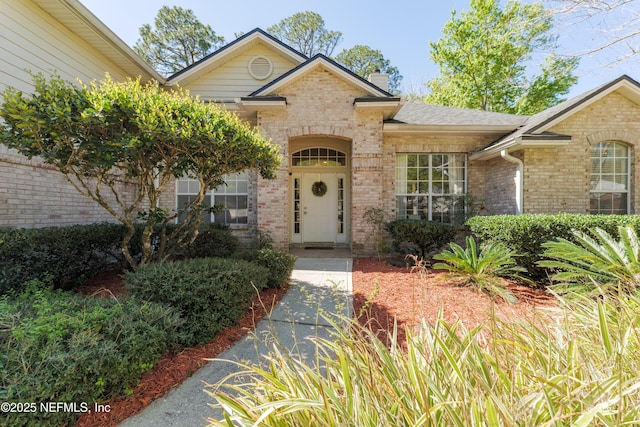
[
  {"x": 425, "y": 236},
  {"x": 213, "y": 241},
  {"x": 280, "y": 264},
  {"x": 525, "y": 234},
  {"x": 64, "y": 256},
  {"x": 210, "y": 293},
  {"x": 62, "y": 347}
]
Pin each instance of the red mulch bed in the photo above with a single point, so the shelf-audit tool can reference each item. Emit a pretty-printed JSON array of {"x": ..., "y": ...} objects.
[
  {"x": 171, "y": 370},
  {"x": 382, "y": 293}
]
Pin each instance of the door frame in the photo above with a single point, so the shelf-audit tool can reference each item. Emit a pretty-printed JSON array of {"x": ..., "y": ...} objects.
[{"x": 298, "y": 173}]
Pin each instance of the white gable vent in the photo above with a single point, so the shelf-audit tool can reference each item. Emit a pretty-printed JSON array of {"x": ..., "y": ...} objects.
[{"x": 260, "y": 67}]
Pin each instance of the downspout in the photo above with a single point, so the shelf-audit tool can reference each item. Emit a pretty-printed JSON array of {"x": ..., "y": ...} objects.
[{"x": 519, "y": 179}]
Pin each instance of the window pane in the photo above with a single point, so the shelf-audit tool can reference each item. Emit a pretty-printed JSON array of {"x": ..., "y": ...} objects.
[
  {"x": 433, "y": 177},
  {"x": 609, "y": 178}
]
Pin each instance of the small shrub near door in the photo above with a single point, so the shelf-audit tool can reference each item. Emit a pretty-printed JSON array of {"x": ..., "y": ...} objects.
[
  {"x": 280, "y": 264},
  {"x": 210, "y": 293},
  {"x": 425, "y": 236}
]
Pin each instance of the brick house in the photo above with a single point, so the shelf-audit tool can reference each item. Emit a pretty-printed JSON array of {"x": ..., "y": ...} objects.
[{"x": 346, "y": 142}]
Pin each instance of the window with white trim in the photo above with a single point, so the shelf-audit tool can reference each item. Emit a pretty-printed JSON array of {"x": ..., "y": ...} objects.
[
  {"x": 609, "y": 178},
  {"x": 430, "y": 186},
  {"x": 229, "y": 199}
]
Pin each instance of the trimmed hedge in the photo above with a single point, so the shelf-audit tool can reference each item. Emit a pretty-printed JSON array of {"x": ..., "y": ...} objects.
[
  {"x": 280, "y": 264},
  {"x": 64, "y": 256},
  {"x": 425, "y": 236},
  {"x": 67, "y": 256},
  {"x": 56, "y": 346},
  {"x": 213, "y": 241},
  {"x": 525, "y": 234},
  {"x": 210, "y": 293}
]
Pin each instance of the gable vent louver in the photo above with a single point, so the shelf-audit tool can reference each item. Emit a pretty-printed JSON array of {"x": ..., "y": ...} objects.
[{"x": 260, "y": 67}]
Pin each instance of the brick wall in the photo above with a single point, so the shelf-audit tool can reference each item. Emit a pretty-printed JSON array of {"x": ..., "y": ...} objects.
[
  {"x": 33, "y": 194},
  {"x": 500, "y": 187},
  {"x": 557, "y": 179},
  {"x": 320, "y": 104}
]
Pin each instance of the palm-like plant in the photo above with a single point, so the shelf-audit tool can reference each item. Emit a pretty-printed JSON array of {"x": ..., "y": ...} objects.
[
  {"x": 594, "y": 262},
  {"x": 480, "y": 268}
]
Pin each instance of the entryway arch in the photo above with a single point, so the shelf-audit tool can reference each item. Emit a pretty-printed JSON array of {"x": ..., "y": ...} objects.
[{"x": 320, "y": 190}]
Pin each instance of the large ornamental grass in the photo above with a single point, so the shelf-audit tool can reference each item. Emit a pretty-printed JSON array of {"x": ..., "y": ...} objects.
[{"x": 575, "y": 365}]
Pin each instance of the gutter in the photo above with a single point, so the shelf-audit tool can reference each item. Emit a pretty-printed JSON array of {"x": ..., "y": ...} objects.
[{"x": 519, "y": 179}]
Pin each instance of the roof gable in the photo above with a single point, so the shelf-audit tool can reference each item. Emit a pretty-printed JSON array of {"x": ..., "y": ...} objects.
[
  {"x": 316, "y": 61},
  {"x": 231, "y": 51},
  {"x": 539, "y": 124}
]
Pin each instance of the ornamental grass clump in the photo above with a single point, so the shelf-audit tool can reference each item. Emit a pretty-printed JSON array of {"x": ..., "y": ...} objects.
[
  {"x": 574, "y": 366},
  {"x": 482, "y": 269}
]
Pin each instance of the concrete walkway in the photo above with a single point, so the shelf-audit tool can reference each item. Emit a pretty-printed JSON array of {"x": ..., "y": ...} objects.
[{"x": 319, "y": 286}]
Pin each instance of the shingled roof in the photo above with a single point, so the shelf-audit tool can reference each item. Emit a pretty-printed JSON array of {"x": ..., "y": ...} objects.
[
  {"x": 424, "y": 114},
  {"x": 538, "y": 124}
]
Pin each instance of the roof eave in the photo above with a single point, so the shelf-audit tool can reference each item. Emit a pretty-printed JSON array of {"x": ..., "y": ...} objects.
[
  {"x": 250, "y": 103},
  {"x": 313, "y": 63},
  {"x": 413, "y": 129},
  {"x": 220, "y": 55},
  {"x": 91, "y": 22},
  {"x": 524, "y": 141}
]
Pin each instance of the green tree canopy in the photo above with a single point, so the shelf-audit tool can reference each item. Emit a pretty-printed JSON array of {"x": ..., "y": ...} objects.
[
  {"x": 483, "y": 58},
  {"x": 102, "y": 135},
  {"x": 305, "y": 32},
  {"x": 176, "y": 40},
  {"x": 363, "y": 60}
]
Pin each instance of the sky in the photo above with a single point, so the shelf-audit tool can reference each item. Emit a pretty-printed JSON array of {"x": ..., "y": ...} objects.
[{"x": 400, "y": 29}]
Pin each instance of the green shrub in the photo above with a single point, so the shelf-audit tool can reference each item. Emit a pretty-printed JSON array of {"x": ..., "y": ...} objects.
[
  {"x": 210, "y": 293},
  {"x": 66, "y": 256},
  {"x": 426, "y": 236},
  {"x": 480, "y": 268},
  {"x": 62, "y": 347},
  {"x": 213, "y": 241},
  {"x": 280, "y": 264},
  {"x": 525, "y": 234}
]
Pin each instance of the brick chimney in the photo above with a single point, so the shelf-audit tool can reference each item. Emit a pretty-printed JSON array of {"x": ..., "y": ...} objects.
[{"x": 379, "y": 79}]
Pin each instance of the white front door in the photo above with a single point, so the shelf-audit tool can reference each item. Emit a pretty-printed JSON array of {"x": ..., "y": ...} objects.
[{"x": 319, "y": 212}]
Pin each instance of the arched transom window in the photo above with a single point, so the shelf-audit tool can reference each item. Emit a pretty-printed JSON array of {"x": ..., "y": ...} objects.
[
  {"x": 609, "y": 183},
  {"x": 318, "y": 157}
]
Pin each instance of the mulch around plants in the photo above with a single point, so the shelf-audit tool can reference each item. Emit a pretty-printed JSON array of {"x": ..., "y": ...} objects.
[
  {"x": 172, "y": 369},
  {"x": 384, "y": 294}
]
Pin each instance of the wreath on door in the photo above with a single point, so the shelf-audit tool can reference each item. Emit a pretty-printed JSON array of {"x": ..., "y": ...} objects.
[{"x": 319, "y": 188}]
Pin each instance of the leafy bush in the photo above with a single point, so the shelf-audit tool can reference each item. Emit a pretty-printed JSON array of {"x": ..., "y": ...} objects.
[
  {"x": 592, "y": 263},
  {"x": 210, "y": 293},
  {"x": 577, "y": 370},
  {"x": 66, "y": 256},
  {"x": 526, "y": 234},
  {"x": 63, "y": 347},
  {"x": 280, "y": 264},
  {"x": 426, "y": 236},
  {"x": 213, "y": 240},
  {"x": 480, "y": 268}
]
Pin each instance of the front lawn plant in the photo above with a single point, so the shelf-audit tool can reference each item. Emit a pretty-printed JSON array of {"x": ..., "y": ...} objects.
[
  {"x": 577, "y": 366},
  {"x": 480, "y": 268}
]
